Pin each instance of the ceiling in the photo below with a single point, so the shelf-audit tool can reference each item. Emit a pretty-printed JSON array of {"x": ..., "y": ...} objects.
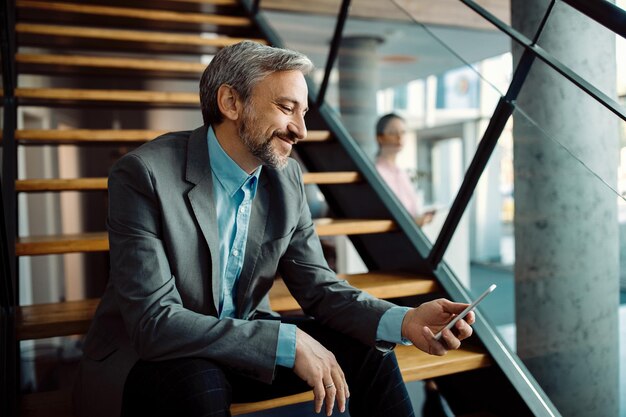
[
  {"x": 408, "y": 50},
  {"x": 440, "y": 12}
]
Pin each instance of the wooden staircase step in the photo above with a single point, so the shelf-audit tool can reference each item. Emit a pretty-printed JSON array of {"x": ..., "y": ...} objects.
[
  {"x": 55, "y": 319},
  {"x": 328, "y": 178},
  {"x": 73, "y": 317},
  {"x": 58, "y": 244},
  {"x": 212, "y": 2},
  {"x": 79, "y": 136},
  {"x": 49, "y": 96},
  {"x": 109, "y": 14},
  {"x": 417, "y": 365},
  {"x": 334, "y": 227},
  {"x": 414, "y": 365},
  {"x": 58, "y": 184},
  {"x": 88, "y": 184},
  {"x": 34, "y": 34},
  {"x": 378, "y": 284},
  {"x": 98, "y": 241},
  {"x": 84, "y": 64},
  {"x": 86, "y": 136}
]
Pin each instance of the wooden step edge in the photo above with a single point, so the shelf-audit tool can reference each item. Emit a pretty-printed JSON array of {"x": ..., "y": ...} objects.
[
  {"x": 328, "y": 178},
  {"x": 108, "y": 96},
  {"x": 100, "y": 184},
  {"x": 102, "y": 62},
  {"x": 213, "y": 2},
  {"x": 85, "y": 136},
  {"x": 60, "y": 184},
  {"x": 40, "y": 321},
  {"x": 336, "y": 227},
  {"x": 414, "y": 365},
  {"x": 98, "y": 241},
  {"x": 123, "y": 35},
  {"x": 245, "y": 408},
  {"x": 379, "y": 284},
  {"x": 317, "y": 136},
  {"x": 134, "y": 13},
  {"x": 35, "y": 136},
  {"x": 73, "y": 317},
  {"x": 59, "y": 244}
]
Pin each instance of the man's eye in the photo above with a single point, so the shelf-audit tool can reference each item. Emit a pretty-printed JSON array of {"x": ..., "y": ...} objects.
[{"x": 286, "y": 108}]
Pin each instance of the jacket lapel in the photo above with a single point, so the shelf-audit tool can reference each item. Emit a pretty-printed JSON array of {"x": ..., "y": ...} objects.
[
  {"x": 198, "y": 172},
  {"x": 256, "y": 232}
]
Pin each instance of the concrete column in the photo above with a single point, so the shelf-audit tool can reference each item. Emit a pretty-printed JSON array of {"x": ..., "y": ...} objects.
[
  {"x": 566, "y": 231},
  {"x": 358, "y": 84}
]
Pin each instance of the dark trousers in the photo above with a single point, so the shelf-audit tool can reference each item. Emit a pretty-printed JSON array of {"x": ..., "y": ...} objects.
[{"x": 195, "y": 387}]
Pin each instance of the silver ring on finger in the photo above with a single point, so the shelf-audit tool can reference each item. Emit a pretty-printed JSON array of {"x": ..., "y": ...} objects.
[{"x": 329, "y": 386}]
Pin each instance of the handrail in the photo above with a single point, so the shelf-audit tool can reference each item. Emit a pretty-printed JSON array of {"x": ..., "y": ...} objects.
[
  {"x": 512, "y": 367},
  {"x": 607, "y": 14},
  {"x": 497, "y": 122},
  {"x": 557, "y": 65},
  {"x": 518, "y": 375},
  {"x": 334, "y": 50}
]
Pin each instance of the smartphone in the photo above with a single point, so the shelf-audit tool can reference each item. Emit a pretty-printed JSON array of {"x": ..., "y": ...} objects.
[{"x": 467, "y": 310}]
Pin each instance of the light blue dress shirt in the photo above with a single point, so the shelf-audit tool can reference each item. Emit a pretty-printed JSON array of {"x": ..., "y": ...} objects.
[{"x": 233, "y": 192}]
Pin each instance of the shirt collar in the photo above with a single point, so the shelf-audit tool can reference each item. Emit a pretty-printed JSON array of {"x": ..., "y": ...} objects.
[{"x": 227, "y": 172}]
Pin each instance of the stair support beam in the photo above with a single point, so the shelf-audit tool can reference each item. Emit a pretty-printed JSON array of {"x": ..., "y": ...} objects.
[{"x": 8, "y": 229}]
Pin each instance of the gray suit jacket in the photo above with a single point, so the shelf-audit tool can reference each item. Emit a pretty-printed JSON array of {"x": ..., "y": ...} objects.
[{"x": 160, "y": 302}]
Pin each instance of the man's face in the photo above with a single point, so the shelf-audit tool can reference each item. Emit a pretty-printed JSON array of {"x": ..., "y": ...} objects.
[{"x": 273, "y": 118}]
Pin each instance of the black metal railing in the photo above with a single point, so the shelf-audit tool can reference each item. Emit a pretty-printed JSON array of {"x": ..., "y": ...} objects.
[
  {"x": 8, "y": 264},
  {"x": 605, "y": 13}
]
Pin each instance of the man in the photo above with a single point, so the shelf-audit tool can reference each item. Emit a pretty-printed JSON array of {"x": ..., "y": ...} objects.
[{"x": 199, "y": 224}]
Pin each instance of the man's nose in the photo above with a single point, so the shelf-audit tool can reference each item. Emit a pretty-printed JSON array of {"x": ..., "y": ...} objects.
[{"x": 298, "y": 127}]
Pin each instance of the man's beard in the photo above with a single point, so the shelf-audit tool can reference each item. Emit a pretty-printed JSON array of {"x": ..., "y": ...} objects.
[{"x": 262, "y": 147}]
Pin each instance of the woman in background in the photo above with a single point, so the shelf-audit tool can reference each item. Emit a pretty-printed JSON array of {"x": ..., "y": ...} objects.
[{"x": 390, "y": 133}]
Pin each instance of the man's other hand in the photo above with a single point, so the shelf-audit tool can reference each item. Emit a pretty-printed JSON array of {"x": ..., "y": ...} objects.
[
  {"x": 420, "y": 324},
  {"x": 318, "y": 367}
]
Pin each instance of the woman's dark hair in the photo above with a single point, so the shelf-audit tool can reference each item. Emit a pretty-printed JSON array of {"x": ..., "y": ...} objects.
[{"x": 382, "y": 123}]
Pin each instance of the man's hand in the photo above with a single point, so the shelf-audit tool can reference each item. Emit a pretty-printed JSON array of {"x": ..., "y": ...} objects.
[
  {"x": 420, "y": 324},
  {"x": 318, "y": 367}
]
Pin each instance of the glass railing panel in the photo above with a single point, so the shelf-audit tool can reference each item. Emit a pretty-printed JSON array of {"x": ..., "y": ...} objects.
[
  {"x": 568, "y": 33},
  {"x": 465, "y": 34},
  {"x": 400, "y": 67},
  {"x": 305, "y": 26},
  {"x": 568, "y": 114},
  {"x": 453, "y": 13},
  {"x": 545, "y": 231}
]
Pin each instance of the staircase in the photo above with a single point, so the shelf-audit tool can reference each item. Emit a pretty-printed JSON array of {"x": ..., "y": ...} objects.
[{"x": 139, "y": 43}]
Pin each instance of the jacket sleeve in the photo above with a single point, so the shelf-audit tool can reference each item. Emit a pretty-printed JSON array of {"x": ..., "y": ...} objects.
[
  {"x": 158, "y": 324},
  {"x": 318, "y": 290}
]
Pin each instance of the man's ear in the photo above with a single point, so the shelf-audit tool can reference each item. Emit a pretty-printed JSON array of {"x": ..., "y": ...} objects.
[{"x": 229, "y": 102}]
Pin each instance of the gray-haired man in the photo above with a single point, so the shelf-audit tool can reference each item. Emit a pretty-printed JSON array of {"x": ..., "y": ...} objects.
[{"x": 199, "y": 223}]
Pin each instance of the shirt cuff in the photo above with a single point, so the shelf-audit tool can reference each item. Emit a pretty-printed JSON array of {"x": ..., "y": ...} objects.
[
  {"x": 390, "y": 326},
  {"x": 286, "y": 348}
]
